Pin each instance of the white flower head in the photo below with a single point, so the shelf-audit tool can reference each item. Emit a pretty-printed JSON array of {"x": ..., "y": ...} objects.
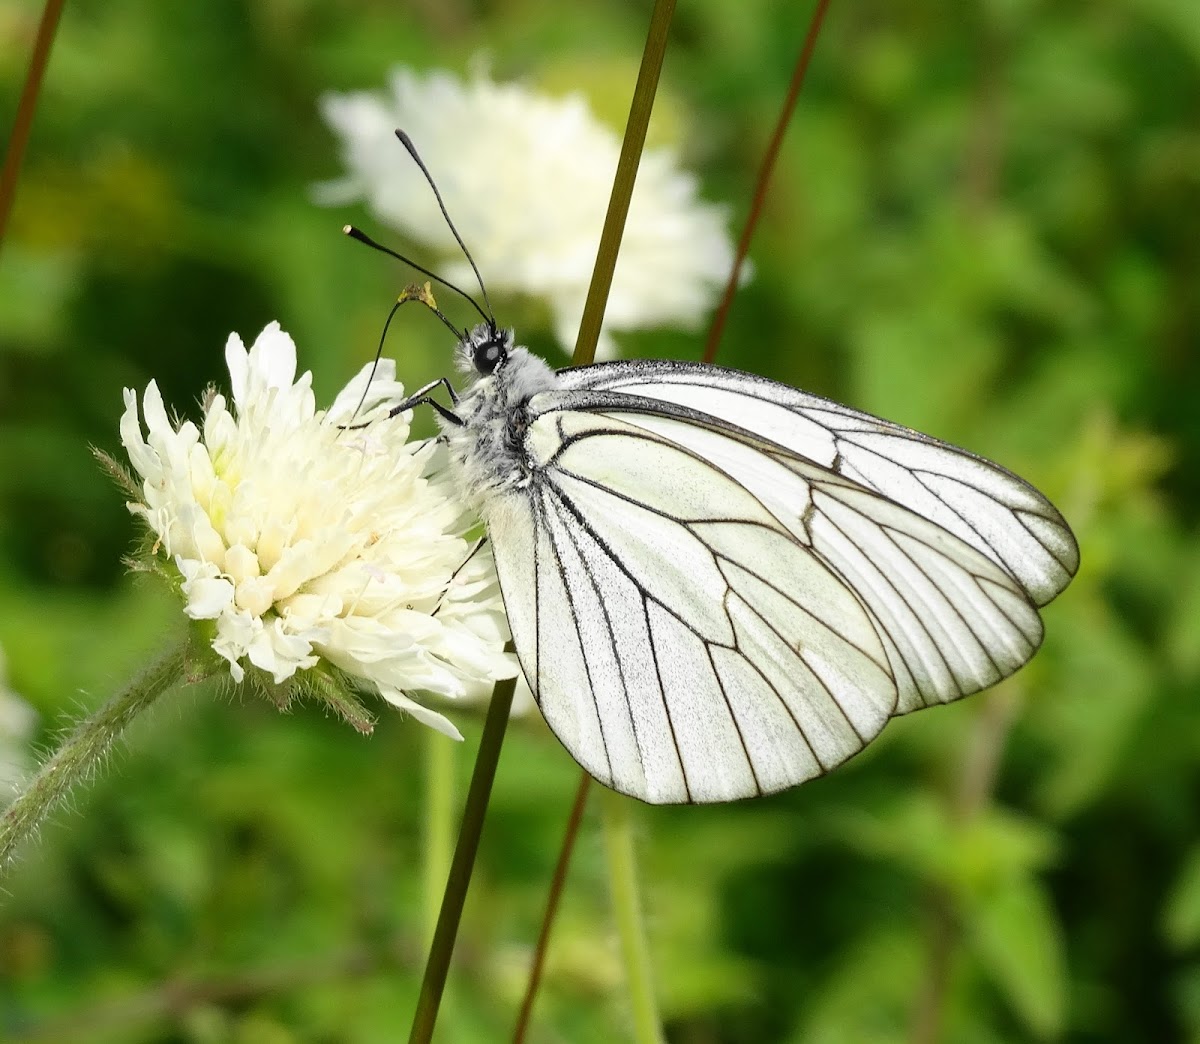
[
  {"x": 304, "y": 541},
  {"x": 527, "y": 180}
]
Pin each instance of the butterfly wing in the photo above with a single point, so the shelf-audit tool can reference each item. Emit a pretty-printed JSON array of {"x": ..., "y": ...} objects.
[
  {"x": 680, "y": 643},
  {"x": 704, "y": 616},
  {"x": 985, "y": 505}
]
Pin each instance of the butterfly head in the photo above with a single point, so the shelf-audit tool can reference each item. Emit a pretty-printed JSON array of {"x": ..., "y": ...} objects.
[{"x": 485, "y": 349}]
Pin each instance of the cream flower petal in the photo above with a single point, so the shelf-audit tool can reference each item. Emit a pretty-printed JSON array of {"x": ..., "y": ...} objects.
[
  {"x": 143, "y": 460},
  {"x": 423, "y": 714},
  {"x": 207, "y": 599},
  {"x": 384, "y": 391},
  {"x": 527, "y": 178},
  {"x": 237, "y": 360},
  {"x": 273, "y": 357}
]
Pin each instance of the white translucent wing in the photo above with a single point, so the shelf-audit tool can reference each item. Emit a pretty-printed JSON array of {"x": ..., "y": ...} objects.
[
  {"x": 951, "y": 620},
  {"x": 988, "y": 507},
  {"x": 681, "y": 642}
]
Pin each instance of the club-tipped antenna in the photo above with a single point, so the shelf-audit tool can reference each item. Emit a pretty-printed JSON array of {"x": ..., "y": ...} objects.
[
  {"x": 357, "y": 233},
  {"x": 406, "y": 141}
]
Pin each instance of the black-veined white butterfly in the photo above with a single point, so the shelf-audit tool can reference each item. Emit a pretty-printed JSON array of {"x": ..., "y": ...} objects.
[{"x": 719, "y": 586}]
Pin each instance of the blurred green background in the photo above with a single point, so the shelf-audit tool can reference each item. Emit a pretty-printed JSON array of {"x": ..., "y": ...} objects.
[{"x": 985, "y": 223}]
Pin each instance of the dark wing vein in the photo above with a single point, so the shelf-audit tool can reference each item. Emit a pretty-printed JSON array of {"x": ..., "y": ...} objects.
[
  {"x": 626, "y": 387},
  {"x": 919, "y": 476},
  {"x": 562, "y": 572},
  {"x": 617, "y": 657},
  {"x": 874, "y": 614},
  {"x": 787, "y": 642},
  {"x": 565, "y": 499},
  {"x": 733, "y": 717},
  {"x": 687, "y": 786},
  {"x": 889, "y": 533},
  {"x": 979, "y": 579},
  {"x": 717, "y": 557},
  {"x": 778, "y": 695}
]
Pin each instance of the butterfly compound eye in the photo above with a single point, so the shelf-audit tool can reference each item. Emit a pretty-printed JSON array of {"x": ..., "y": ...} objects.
[{"x": 489, "y": 354}]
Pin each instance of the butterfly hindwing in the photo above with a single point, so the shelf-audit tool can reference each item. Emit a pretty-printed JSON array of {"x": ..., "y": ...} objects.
[{"x": 682, "y": 643}]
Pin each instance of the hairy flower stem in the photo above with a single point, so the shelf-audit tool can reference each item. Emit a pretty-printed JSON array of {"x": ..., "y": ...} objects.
[
  {"x": 438, "y": 841},
  {"x": 635, "y": 952},
  {"x": 83, "y": 753},
  {"x": 434, "y": 982}
]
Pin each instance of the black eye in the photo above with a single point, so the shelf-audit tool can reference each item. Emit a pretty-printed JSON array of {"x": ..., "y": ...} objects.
[{"x": 489, "y": 354}]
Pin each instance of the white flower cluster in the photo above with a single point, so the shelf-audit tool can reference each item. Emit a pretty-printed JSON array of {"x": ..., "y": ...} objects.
[
  {"x": 527, "y": 180},
  {"x": 303, "y": 540}
]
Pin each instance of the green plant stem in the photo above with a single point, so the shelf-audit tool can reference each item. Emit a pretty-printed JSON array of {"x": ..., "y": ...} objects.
[
  {"x": 585, "y": 351},
  {"x": 634, "y": 142},
  {"x": 10, "y": 171},
  {"x": 83, "y": 752},
  {"x": 438, "y": 842},
  {"x": 459, "y": 880},
  {"x": 622, "y": 877},
  {"x": 622, "y": 190}
]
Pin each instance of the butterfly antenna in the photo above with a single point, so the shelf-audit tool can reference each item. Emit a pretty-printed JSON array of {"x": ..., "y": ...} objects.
[
  {"x": 359, "y": 235},
  {"x": 406, "y": 141}
]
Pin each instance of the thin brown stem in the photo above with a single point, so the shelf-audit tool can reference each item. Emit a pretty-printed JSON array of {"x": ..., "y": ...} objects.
[
  {"x": 14, "y": 155},
  {"x": 941, "y": 938},
  {"x": 765, "y": 170},
  {"x": 985, "y": 142},
  {"x": 981, "y": 766},
  {"x": 552, "y": 900}
]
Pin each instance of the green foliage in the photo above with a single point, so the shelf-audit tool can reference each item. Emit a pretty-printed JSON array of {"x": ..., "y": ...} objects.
[{"x": 985, "y": 223}]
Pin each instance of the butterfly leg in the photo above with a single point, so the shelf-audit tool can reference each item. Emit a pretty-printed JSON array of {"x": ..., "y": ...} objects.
[
  {"x": 421, "y": 396},
  {"x": 418, "y": 398},
  {"x": 461, "y": 566}
]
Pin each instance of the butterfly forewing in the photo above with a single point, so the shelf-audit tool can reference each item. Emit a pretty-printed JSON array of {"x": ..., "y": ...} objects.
[{"x": 988, "y": 507}]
